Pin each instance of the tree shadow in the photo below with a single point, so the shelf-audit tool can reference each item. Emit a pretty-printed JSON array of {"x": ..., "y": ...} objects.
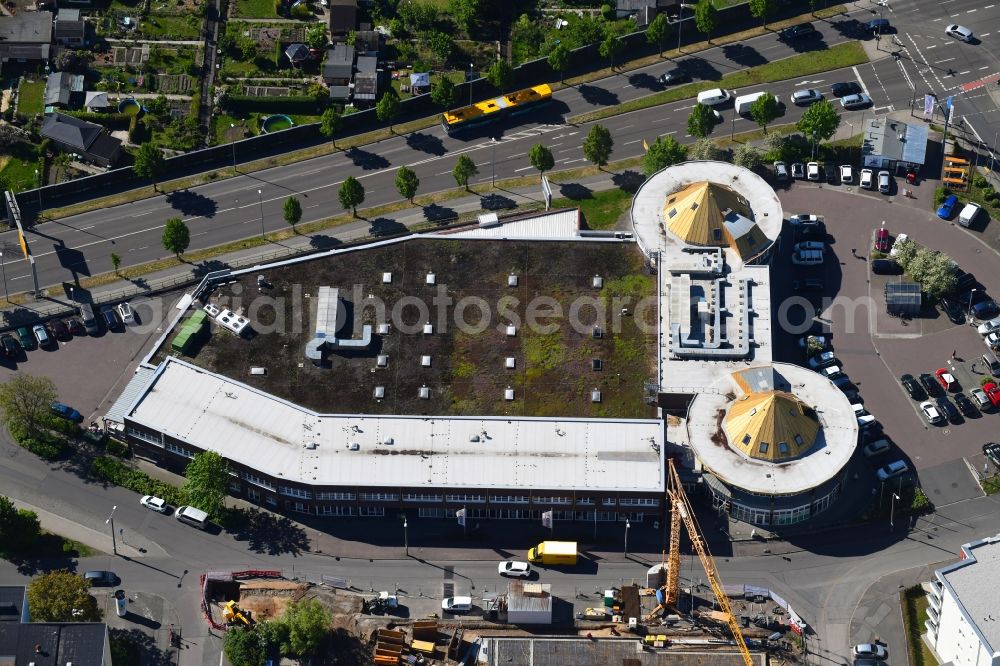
[
  {"x": 439, "y": 214},
  {"x": 268, "y": 533},
  {"x": 644, "y": 80},
  {"x": 743, "y": 55},
  {"x": 384, "y": 226},
  {"x": 366, "y": 160},
  {"x": 852, "y": 28},
  {"x": 628, "y": 181},
  {"x": 191, "y": 203},
  {"x": 576, "y": 191},
  {"x": 323, "y": 242},
  {"x": 699, "y": 68},
  {"x": 426, "y": 143},
  {"x": 497, "y": 202},
  {"x": 808, "y": 45},
  {"x": 597, "y": 96},
  {"x": 208, "y": 266},
  {"x": 129, "y": 644}
]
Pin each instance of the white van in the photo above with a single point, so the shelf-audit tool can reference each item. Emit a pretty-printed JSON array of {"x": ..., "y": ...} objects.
[
  {"x": 743, "y": 102},
  {"x": 192, "y": 516},
  {"x": 714, "y": 97},
  {"x": 968, "y": 214},
  {"x": 456, "y": 604}
]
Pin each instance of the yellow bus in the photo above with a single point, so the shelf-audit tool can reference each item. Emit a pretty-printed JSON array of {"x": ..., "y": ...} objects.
[{"x": 491, "y": 110}]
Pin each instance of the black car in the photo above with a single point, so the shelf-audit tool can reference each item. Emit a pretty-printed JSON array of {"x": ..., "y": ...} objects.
[
  {"x": 965, "y": 405},
  {"x": 75, "y": 326},
  {"x": 807, "y": 230},
  {"x": 948, "y": 409},
  {"x": 955, "y": 312},
  {"x": 886, "y": 267},
  {"x": 11, "y": 349},
  {"x": 796, "y": 31},
  {"x": 912, "y": 387},
  {"x": 984, "y": 307},
  {"x": 845, "y": 89},
  {"x": 102, "y": 578},
  {"x": 930, "y": 384},
  {"x": 831, "y": 170},
  {"x": 809, "y": 284},
  {"x": 59, "y": 330},
  {"x": 965, "y": 282},
  {"x": 675, "y": 76}
]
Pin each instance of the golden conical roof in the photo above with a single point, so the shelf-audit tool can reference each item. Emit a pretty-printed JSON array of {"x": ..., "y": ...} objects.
[
  {"x": 771, "y": 425},
  {"x": 696, "y": 213}
]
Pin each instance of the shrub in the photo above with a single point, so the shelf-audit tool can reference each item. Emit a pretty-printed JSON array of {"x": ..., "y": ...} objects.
[
  {"x": 608, "y": 12},
  {"x": 113, "y": 121},
  {"x": 940, "y": 194},
  {"x": 920, "y": 503},
  {"x": 114, "y": 471},
  {"x": 986, "y": 380},
  {"x": 116, "y": 448},
  {"x": 980, "y": 182},
  {"x": 301, "y": 12}
]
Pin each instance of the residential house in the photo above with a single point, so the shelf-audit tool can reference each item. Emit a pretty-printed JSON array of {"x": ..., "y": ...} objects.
[
  {"x": 297, "y": 54},
  {"x": 343, "y": 17},
  {"x": 368, "y": 42},
  {"x": 44, "y": 643},
  {"x": 338, "y": 71},
  {"x": 64, "y": 90},
  {"x": 25, "y": 37},
  {"x": 70, "y": 29},
  {"x": 366, "y": 80},
  {"x": 90, "y": 141}
]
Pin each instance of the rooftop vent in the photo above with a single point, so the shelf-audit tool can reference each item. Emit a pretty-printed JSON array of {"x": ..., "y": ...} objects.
[
  {"x": 258, "y": 371},
  {"x": 596, "y": 364},
  {"x": 311, "y": 445},
  {"x": 424, "y": 393},
  {"x": 388, "y": 441},
  {"x": 354, "y": 446},
  {"x": 511, "y": 363},
  {"x": 597, "y": 282},
  {"x": 425, "y": 361},
  {"x": 431, "y": 278},
  {"x": 511, "y": 280},
  {"x": 595, "y": 396},
  {"x": 428, "y": 328},
  {"x": 383, "y": 329},
  {"x": 511, "y": 330},
  {"x": 488, "y": 220},
  {"x": 379, "y": 392},
  {"x": 386, "y": 278},
  {"x": 598, "y": 333},
  {"x": 382, "y": 360},
  {"x": 508, "y": 393}
]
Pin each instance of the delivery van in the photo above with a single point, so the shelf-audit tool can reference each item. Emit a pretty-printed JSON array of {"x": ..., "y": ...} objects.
[
  {"x": 968, "y": 214},
  {"x": 553, "y": 552},
  {"x": 192, "y": 516},
  {"x": 714, "y": 97},
  {"x": 743, "y": 102}
]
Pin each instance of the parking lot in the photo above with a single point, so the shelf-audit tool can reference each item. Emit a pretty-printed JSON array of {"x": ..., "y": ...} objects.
[{"x": 875, "y": 349}]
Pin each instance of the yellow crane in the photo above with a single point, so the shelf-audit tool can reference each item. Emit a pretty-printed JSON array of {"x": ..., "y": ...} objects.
[{"x": 680, "y": 510}]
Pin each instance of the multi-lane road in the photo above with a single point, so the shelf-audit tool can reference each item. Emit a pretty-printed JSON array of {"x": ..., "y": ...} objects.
[{"x": 240, "y": 207}]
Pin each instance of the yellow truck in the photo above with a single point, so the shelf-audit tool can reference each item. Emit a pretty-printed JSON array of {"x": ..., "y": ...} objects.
[{"x": 553, "y": 552}]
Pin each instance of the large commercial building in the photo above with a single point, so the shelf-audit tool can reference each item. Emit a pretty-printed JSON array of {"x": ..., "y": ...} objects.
[{"x": 963, "y": 619}]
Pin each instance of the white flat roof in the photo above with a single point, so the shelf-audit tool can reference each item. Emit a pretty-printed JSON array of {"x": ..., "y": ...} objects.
[
  {"x": 264, "y": 433},
  {"x": 835, "y": 443},
  {"x": 972, "y": 580},
  {"x": 555, "y": 225}
]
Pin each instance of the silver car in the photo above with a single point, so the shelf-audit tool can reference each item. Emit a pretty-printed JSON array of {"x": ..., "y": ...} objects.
[
  {"x": 959, "y": 32},
  {"x": 806, "y": 96},
  {"x": 855, "y": 101}
]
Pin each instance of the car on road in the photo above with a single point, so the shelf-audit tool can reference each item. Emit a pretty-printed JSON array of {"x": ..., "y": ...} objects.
[
  {"x": 886, "y": 267},
  {"x": 41, "y": 335},
  {"x": 990, "y": 326},
  {"x": 867, "y": 179},
  {"x": 931, "y": 413},
  {"x": 674, "y": 76},
  {"x": 11, "y": 349},
  {"x": 846, "y": 174},
  {"x": 26, "y": 339},
  {"x": 870, "y": 650},
  {"x": 157, "y": 504},
  {"x": 884, "y": 182},
  {"x": 959, "y": 32},
  {"x": 876, "y": 448},
  {"x": 126, "y": 313},
  {"x": 101, "y": 578},
  {"x": 895, "y": 244},
  {"x": 882, "y": 240},
  {"x": 954, "y": 310},
  {"x": 930, "y": 384},
  {"x": 947, "y": 207},
  {"x": 892, "y": 470},
  {"x": 980, "y": 398},
  {"x": 797, "y": 31},
  {"x": 780, "y": 172},
  {"x": 809, "y": 245},
  {"x": 822, "y": 360},
  {"x": 841, "y": 90},
  {"x": 806, "y": 96},
  {"x": 514, "y": 569},
  {"x": 66, "y": 412},
  {"x": 807, "y": 258},
  {"x": 879, "y": 26},
  {"x": 912, "y": 387},
  {"x": 946, "y": 379},
  {"x": 809, "y": 284},
  {"x": 965, "y": 405},
  {"x": 456, "y": 604},
  {"x": 948, "y": 409},
  {"x": 798, "y": 170},
  {"x": 812, "y": 171},
  {"x": 855, "y": 101}
]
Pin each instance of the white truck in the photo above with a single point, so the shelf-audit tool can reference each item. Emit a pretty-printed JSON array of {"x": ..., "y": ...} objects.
[{"x": 743, "y": 102}]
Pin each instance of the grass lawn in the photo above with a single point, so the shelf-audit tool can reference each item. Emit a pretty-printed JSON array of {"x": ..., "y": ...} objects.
[
  {"x": 31, "y": 97},
  {"x": 171, "y": 27},
  {"x": 255, "y": 9},
  {"x": 18, "y": 168},
  {"x": 601, "y": 210},
  {"x": 991, "y": 486},
  {"x": 840, "y": 55},
  {"x": 914, "y": 603}
]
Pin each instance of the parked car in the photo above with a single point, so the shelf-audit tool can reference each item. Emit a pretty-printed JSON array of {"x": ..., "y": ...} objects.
[
  {"x": 675, "y": 76},
  {"x": 66, "y": 412},
  {"x": 876, "y": 448},
  {"x": 798, "y": 170},
  {"x": 992, "y": 392},
  {"x": 11, "y": 349},
  {"x": 844, "y": 89},
  {"x": 986, "y": 308},
  {"x": 945, "y": 379},
  {"x": 809, "y": 245},
  {"x": 992, "y": 340},
  {"x": 41, "y": 335},
  {"x": 948, "y": 409},
  {"x": 796, "y": 31},
  {"x": 892, "y": 470},
  {"x": 780, "y": 172},
  {"x": 806, "y": 96},
  {"x": 992, "y": 451},
  {"x": 75, "y": 326},
  {"x": 867, "y": 179},
  {"x": 870, "y": 650},
  {"x": 59, "y": 330},
  {"x": 157, "y": 504},
  {"x": 930, "y": 384},
  {"x": 988, "y": 327},
  {"x": 110, "y": 318},
  {"x": 856, "y": 101},
  {"x": 514, "y": 569},
  {"x": 884, "y": 182},
  {"x": 879, "y": 26},
  {"x": 126, "y": 313},
  {"x": 886, "y": 267},
  {"x": 846, "y": 174},
  {"x": 965, "y": 282},
  {"x": 102, "y": 578},
  {"x": 26, "y": 339},
  {"x": 820, "y": 341},
  {"x": 912, "y": 387},
  {"x": 822, "y": 360},
  {"x": 947, "y": 207},
  {"x": 804, "y": 218},
  {"x": 965, "y": 405},
  {"x": 807, "y": 258},
  {"x": 882, "y": 239},
  {"x": 980, "y": 398},
  {"x": 954, "y": 310},
  {"x": 456, "y": 604},
  {"x": 931, "y": 413},
  {"x": 959, "y": 32},
  {"x": 895, "y": 243}
]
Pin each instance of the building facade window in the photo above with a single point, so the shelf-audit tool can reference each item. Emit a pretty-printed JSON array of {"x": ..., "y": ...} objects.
[
  {"x": 292, "y": 491},
  {"x": 372, "y": 511},
  {"x": 426, "y": 512},
  {"x": 179, "y": 450},
  {"x": 253, "y": 495},
  {"x": 257, "y": 480},
  {"x": 326, "y": 495},
  {"x": 609, "y": 501},
  {"x": 420, "y": 497},
  {"x": 466, "y": 499},
  {"x": 552, "y": 500},
  {"x": 144, "y": 436},
  {"x": 378, "y": 497},
  {"x": 235, "y": 487},
  {"x": 639, "y": 501},
  {"x": 585, "y": 501},
  {"x": 327, "y": 510},
  {"x": 300, "y": 507},
  {"x": 508, "y": 499}
]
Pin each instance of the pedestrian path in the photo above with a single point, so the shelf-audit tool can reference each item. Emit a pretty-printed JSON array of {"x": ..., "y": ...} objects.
[{"x": 70, "y": 529}]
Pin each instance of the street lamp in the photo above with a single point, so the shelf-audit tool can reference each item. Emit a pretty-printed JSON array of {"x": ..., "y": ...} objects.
[
  {"x": 111, "y": 519},
  {"x": 493, "y": 163},
  {"x": 892, "y": 511},
  {"x": 38, "y": 182},
  {"x": 969, "y": 309},
  {"x": 260, "y": 200},
  {"x": 406, "y": 538},
  {"x": 2, "y": 268},
  {"x": 471, "y": 65},
  {"x": 680, "y": 21},
  {"x": 71, "y": 296},
  {"x": 627, "y": 525},
  {"x": 233, "y": 126}
]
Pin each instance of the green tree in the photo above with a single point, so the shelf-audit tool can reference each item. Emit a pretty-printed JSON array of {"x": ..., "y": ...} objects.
[
  {"x": 905, "y": 251},
  {"x": 598, "y": 145},
  {"x": 610, "y": 47},
  {"x": 939, "y": 278},
  {"x": 158, "y": 106},
  {"x": 248, "y": 49},
  {"x": 352, "y": 194},
  {"x": 387, "y": 108},
  {"x": 176, "y": 236},
  {"x": 149, "y": 162},
  {"x": 662, "y": 153},
  {"x": 464, "y": 169},
  {"x": 706, "y": 18},
  {"x": 559, "y": 59},
  {"x": 206, "y": 481},
  {"x": 819, "y": 122},
  {"x": 330, "y": 123},
  {"x": 764, "y": 110},
  {"x": 701, "y": 122},
  {"x": 704, "y": 149},
  {"x": 500, "y": 75},
  {"x": 292, "y": 211},
  {"x": 464, "y": 13},
  {"x": 442, "y": 45},
  {"x": 308, "y": 623},
  {"x": 443, "y": 92},
  {"x": 407, "y": 183},
  {"x": 762, "y": 9},
  {"x": 25, "y": 400},
  {"x": 657, "y": 31},
  {"x": 116, "y": 261},
  {"x": 61, "y": 596},
  {"x": 316, "y": 36},
  {"x": 243, "y": 647},
  {"x": 541, "y": 158},
  {"x": 19, "y": 528}
]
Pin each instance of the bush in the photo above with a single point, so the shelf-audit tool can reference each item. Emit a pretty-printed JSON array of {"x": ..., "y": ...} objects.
[
  {"x": 980, "y": 182},
  {"x": 116, "y": 448},
  {"x": 304, "y": 105},
  {"x": 940, "y": 194},
  {"x": 608, "y": 12},
  {"x": 986, "y": 380},
  {"x": 113, "y": 121},
  {"x": 920, "y": 503},
  {"x": 45, "y": 445},
  {"x": 116, "y": 472},
  {"x": 301, "y": 12}
]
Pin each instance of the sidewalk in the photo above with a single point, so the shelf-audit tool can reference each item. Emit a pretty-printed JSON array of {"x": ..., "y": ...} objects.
[{"x": 100, "y": 541}]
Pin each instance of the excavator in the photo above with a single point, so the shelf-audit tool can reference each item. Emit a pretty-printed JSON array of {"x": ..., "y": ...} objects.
[
  {"x": 233, "y": 614},
  {"x": 681, "y": 511}
]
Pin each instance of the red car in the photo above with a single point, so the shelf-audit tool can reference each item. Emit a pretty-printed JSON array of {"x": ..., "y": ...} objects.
[
  {"x": 992, "y": 392},
  {"x": 882, "y": 243},
  {"x": 946, "y": 379}
]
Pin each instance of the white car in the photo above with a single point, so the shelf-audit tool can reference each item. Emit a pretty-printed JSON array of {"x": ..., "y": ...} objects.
[
  {"x": 822, "y": 359},
  {"x": 157, "y": 504},
  {"x": 803, "y": 218},
  {"x": 456, "y": 604},
  {"x": 992, "y": 340},
  {"x": 990, "y": 326},
  {"x": 870, "y": 650},
  {"x": 812, "y": 171},
  {"x": 931, "y": 413},
  {"x": 126, "y": 313},
  {"x": 884, "y": 182},
  {"x": 867, "y": 179},
  {"x": 808, "y": 258},
  {"x": 899, "y": 239},
  {"x": 514, "y": 569},
  {"x": 959, "y": 32},
  {"x": 846, "y": 174}
]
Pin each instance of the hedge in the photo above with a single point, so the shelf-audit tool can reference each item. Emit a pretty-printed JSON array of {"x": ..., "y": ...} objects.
[
  {"x": 49, "y": 445},
  {"x": 115, "y": 471},
  {"x": 117, "y": 121},
  {"x": 302, "y": 106}
]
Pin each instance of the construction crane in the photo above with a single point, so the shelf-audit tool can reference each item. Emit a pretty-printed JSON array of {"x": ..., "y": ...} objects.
[{"x": 680, "y": 510}]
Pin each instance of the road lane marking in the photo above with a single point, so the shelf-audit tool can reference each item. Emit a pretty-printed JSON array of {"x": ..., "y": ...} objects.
[
  {"x": 965, "y": 72},
  {"x": 141, "y": 214},
  {"x": 938, "y": 62},
  {"x": 984, "y": 67},
  {"x": 932, "y": 46},
  {"x": 628, "y": 143},
  {"x": 579, "y": 159},
  {"x": 857, "y": 75},
  {"x": 624, "y": 127},
  {"x": 523, "y": 169},
  {"x": 969, "y": 11},
  {"x": 985, "y": 34}
]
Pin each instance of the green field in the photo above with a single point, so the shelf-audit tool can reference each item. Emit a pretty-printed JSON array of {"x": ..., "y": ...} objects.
[
  {"x": 17, "y": 169},
  {"x": 601, "y": 210},
  {"x": 914, "y": 614},
  {"x": 255, "y": 9},
  {"x": 186, "y": 28},
  {"x": 31, "y": 97}
]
